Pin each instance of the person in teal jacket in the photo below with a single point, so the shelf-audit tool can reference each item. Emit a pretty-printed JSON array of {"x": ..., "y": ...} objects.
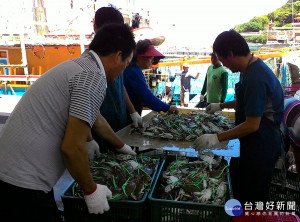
[{"x": 215, "y": 83}]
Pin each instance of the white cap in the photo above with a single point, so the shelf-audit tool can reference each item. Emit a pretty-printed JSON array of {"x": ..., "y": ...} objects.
[
  {"x": 168, "y": 84},
  {"x": 185, "y": 65}
]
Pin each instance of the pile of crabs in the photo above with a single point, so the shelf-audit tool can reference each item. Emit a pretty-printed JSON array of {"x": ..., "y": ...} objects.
[
  {"x": 200, "y": 181},
  {"x": 186, "y": 127},
  {"x": 127, "y": 176}
]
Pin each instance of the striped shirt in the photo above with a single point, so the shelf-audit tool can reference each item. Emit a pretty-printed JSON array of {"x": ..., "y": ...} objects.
[{"x": 30, "y": 141}]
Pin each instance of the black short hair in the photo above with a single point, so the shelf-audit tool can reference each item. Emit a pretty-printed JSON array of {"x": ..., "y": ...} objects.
[
  {"x": 112, "y": 38},
  {"x": 230, "y": 41},
  {"x": 213, "y": 55},
  {"x": 107, "y": 15}
]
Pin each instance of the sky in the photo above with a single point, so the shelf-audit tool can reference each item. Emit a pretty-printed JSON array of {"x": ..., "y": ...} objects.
[
  {"x": 198, "y": 22},
  {"x": 193, "y": 23}
]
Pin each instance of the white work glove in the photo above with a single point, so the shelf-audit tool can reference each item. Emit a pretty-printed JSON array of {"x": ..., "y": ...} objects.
[
  {"x": 126, "y": 150},
  {"x": 92, "y": 148},
  {"x": 206, "y": 141},
  {"x": 212, "y": 108},
  {"x": 97, "y": 201},
  {"x": 136, "y": 119},
  {"x": 201, "y": 98}
]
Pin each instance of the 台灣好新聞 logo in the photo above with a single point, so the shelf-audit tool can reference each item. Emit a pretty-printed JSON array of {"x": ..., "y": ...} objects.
[{"x": 233, "y": 207}]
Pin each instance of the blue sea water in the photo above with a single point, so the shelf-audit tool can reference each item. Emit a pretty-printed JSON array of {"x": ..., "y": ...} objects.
[{"x": 18, "y": 91}]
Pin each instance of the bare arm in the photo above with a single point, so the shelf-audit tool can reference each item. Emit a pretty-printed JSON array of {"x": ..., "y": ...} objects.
[
  {"x": 129, "y": 104},
  {"x": 103, "y": 129},
  {"x": 75, "y": 153},
  {"x": 249, "y": 126},
  {"x": 90, "y": 137},
  {"x": 228, "y": 105}
]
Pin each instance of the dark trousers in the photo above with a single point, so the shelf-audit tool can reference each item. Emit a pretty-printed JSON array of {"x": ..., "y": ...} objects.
[
  {"x": 250, "y": 184},
  {"x": 251, "y": 173},
  {"x": 24, "y": 205}
]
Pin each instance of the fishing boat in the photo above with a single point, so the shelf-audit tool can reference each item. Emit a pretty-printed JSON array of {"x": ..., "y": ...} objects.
[{"x": 26, "y": 54}]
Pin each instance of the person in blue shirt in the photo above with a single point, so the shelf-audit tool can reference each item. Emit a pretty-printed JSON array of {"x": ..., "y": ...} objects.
[
  {"x": 116, "y": 103},
  {"x": 135, "y": 82},
  {"x": 258, "y": 114}
]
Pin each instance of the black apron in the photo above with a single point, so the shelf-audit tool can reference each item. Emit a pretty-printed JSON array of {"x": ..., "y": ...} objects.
[{"x": 251, "y": 173}]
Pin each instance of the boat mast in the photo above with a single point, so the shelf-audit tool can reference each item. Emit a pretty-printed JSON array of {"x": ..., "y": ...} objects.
[
  {"x": 23, "y": 52},
  {"x": 40, "y": 18}
]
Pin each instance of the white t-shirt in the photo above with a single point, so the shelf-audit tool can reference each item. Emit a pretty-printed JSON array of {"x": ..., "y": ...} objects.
[{"x": 30, "y": 141}]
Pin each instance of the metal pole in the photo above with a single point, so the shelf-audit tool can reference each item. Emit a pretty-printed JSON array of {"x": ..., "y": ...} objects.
[
  {"x": 82, "y": 40},
  {"x": 23, "y": 50}
]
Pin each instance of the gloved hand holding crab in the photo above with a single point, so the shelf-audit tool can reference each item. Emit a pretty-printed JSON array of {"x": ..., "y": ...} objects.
[{"x": 208, "y": 142}]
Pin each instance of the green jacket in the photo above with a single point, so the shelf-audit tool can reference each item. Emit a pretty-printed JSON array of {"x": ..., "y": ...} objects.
[{"x": 215, "y": 84}]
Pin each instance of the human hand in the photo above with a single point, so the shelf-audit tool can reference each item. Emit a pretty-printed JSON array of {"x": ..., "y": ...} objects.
[
  {"x": 201, "y": 98},
  {"x": 173, "y": 109},
  {"x": 136, "y": 119},
  {"x": 92, "y": 148},
  {"x": 126, "y": 150},
  {"x": 212, "y": 108},
  {"x": 97, "y": 201},
  {"x": 206, "y": 141}
]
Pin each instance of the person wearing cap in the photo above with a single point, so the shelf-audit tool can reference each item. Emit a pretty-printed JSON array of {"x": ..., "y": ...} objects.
[
  {"x": 291, "y": 127},
  {"x": 167, "y": 95},
  {"x": 135, "y": 82},
  {"x": 185, "y": 81},
  {"x": 116, "y": 103},
  {"x": 215, "y": 83}
]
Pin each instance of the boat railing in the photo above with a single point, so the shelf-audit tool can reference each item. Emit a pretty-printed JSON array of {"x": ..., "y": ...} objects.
[
  {"x": 13, "y": 66},
  {"x": 18, "y": 78}
]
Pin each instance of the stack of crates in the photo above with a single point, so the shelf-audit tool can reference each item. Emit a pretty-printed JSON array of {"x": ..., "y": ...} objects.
[
  {"x": 150, "y": 208},
  {"x": 286, "y": 190},
  {"x": 281, "y": 190},
  {"x": 75, "y": 209},
  {"x": 163, "y": 210}
]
